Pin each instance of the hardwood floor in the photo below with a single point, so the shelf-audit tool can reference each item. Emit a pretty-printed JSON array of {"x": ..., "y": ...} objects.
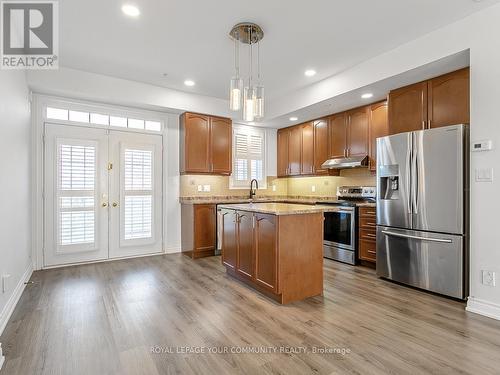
[{"x": 123, "y": 317}]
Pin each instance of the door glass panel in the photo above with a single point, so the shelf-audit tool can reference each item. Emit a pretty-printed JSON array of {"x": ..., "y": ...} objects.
[
  {"x": 337, "y": 227},
  {"x": 138, "y": 210}
]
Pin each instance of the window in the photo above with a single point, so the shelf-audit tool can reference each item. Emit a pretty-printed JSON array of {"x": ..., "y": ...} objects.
[
  {"x": 249, "y": 156},
  {"x": 103, "y": 119}
]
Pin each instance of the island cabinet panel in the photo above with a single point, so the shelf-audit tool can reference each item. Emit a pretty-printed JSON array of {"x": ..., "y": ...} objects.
[
  {"x": 321, "y": 152},
  {"x": 449, "y": 99},
  {"x": 205, "y": 144},
  {"x": 357, "y": 132},
  {"x": 283, "y": 140},
  {"x": 378, "y": 128},
  {"x": 295, "y": 151},
  {"x": 338, "y": 134},
  {"x": 266, "y": 254},
  {"x": 408, "y": 108},
  {"x": 307, "y": 155},
  {"x": 198, "y": 230},
  {"x": 229, "y": 239},
  {"x": 246, "y": 257}
]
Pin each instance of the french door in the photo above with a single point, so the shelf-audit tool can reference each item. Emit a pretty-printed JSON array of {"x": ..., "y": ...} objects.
[{"x": 102, "y": 194}]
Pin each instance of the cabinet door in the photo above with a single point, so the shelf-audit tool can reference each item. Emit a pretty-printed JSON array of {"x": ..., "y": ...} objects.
[
  {"x": 320, "y": 145},
  {"x": 378, "y": 128},
  {"x": 449, "y": 99},
  {"x": 283, "y": 139},
  {"x": 357, "y": 132},
  {"x": 246, "y": 266},
  {"x": 197, "y": 143},
  {"x": 220, "y": 145},
  {"x": 408, "y": 108},
  {"x": 204, "y": 227},
  {"x": 229, "y": 239},
  {"x": 294, "y": 150},
  {"x": 337, "y": 136},
  {"x": 266, "y": 254},
  {"x": 307, "y": 159}
]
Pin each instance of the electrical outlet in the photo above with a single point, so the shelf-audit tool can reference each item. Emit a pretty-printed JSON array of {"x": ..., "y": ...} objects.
[
  {"x": 488, "y": 278},
  {"x": 206, "y": 188},
  {"x": 200, "y": 188},
  {"x": 484, "y": 175},
  {"x": 313, "y": 188},
  {"x": 274, "y": 187},
  {"x": 5, "y": 283}
]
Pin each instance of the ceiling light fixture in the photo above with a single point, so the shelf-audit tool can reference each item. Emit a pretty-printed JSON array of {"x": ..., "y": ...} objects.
[
  {"x": 293, "y": 118},
  {"x": 368, "y": 95},
  {"x": 131, "y": 10},
  {"x": 189, "y": 82},
  {"x": 253, "y": 94},
  {"x": 310, "y": 73}
]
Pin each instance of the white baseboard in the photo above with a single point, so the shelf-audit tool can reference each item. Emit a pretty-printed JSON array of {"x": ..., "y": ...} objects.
[
  {"x": 2, "y": 358},
  {"x": 173, "y": 250},
  {"x": 482, "y": 307}
]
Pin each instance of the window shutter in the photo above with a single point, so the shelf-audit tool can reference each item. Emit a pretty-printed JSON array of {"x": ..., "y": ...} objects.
[{"x": 249, "y": 156}]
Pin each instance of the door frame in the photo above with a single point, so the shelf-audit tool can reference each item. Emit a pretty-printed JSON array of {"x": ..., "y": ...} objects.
[{"x": 38, "y": 103}]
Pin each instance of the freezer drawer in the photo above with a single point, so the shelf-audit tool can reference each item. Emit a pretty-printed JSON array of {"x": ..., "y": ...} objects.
[{"x": 430, "y": 261}]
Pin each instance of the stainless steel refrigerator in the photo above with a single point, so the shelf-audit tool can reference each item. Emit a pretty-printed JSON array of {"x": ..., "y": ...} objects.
[{"x": 422, "y": 209}]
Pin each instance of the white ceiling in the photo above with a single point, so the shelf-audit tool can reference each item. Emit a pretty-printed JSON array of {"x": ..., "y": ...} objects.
[{"x": 189, "y": 38}]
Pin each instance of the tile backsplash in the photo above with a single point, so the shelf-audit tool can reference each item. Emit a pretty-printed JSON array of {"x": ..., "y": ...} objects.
[{"x": 293, "y": 186}]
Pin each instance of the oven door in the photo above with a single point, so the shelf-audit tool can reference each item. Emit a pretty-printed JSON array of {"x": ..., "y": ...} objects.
[{"x": 339, "y": 228}]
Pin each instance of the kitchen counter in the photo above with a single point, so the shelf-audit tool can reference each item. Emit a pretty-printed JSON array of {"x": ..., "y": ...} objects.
[
  {"x": 277, "y": 199},
  {"x": 274, "y": 208}
]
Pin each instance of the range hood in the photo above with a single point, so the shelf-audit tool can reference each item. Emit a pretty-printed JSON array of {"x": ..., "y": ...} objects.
[{"x": 343, "y": 163}]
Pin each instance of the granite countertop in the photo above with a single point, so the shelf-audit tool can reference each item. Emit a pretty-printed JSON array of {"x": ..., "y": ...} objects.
[
  {"x": 277, "y": 199},
  {"x": 278, "y": 208}
]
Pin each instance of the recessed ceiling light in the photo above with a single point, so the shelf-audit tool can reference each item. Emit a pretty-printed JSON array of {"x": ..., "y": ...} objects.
[
  {"x": 368, "y": 95},
  {"x": 189, "y": 82},
  {"x": 310, "y": 72},
  {"x": 131, "y": 10},
  {"x": 293, "y": 118}
]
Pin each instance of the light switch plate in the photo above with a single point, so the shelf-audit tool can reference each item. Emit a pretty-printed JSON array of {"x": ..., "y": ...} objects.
[
  {"x": 484, "y": 175},
  {"x": 200, "y": 188},
  {"x": 488, "y": 278},
  {"x": 5, "y": 283},
  {"x": 274, "y": 187},
  {"x": 206, "y": 188},
  {"x": 313, "y": 188}
]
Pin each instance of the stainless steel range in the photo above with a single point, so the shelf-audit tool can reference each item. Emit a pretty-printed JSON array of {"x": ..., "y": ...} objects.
[{"x": 340, "y": 229}]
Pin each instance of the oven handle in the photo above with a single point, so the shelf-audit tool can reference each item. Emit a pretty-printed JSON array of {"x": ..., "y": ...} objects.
[{"x": 441, "y": 240}]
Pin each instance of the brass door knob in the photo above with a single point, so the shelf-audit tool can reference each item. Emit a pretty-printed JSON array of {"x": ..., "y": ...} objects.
[
  {"x": 115, "y": 204},
  {"x": 105, "y": 204}
]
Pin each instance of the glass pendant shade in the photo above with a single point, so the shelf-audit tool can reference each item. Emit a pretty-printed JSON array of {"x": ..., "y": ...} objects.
[
  {"x": 235, "y": 94},
  {"x": 259, "y": 102},
  {"x": 249, "y": 104}
]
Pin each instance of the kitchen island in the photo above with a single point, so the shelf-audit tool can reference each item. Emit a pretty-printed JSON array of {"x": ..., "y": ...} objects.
[{"x": 276, "y": 248}]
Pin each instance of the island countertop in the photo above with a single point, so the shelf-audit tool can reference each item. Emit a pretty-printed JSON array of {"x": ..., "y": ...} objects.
[{"x": 278, "y": 208}]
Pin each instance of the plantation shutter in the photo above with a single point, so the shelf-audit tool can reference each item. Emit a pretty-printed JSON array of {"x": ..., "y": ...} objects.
[{"x": 249, "y": 156}]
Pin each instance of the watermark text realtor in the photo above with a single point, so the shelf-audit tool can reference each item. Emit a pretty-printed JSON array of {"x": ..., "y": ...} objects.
[{"x": 30, "y": 34}]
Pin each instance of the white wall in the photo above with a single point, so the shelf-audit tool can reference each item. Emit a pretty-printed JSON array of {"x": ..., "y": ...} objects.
[{"x": 15, "y": 188}]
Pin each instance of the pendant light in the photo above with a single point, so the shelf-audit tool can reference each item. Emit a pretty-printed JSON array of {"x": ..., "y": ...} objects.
[{"x": 253, "y": 95}]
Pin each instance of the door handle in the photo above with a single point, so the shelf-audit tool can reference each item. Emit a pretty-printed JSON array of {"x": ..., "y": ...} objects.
[
  {"x": 429, "y": 239},
  {"x": 115, "y": 204},
  {"x": 105, "y": 204}
]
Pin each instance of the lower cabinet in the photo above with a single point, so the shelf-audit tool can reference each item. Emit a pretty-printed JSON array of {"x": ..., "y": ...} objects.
[
  {"x": 367, "y": 234},
  {"x": 266, "y": 272},
  {"x": 229, "y": 238},
  {"x": 198, "y": 223},
  {"x": 245, "y": 264}
]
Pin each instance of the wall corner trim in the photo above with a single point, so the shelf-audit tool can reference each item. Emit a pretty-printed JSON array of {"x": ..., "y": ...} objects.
[
  {"x": 482, "y": 307},
  {"x": 14, "y": 298}
]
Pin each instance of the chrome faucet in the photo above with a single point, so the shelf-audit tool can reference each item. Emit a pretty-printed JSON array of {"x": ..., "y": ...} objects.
[{"x": 252, "y": 190}]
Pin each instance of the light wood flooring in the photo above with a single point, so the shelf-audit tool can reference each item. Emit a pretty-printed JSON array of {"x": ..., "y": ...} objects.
[{"x": 114, "y": 318}]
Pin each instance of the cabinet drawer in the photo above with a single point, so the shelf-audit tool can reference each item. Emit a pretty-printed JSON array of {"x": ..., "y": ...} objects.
[
  {"x": 367, "y": 250},
  {"x": 369, "y": 223},
  {"x": 367, "y": 211},
  {"x": 368, "y": 235}
]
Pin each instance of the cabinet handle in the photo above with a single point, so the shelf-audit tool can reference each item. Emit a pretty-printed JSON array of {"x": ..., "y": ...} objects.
[
  {"x": 429, "y": 124},
  {"x": 423, "y": 124}
]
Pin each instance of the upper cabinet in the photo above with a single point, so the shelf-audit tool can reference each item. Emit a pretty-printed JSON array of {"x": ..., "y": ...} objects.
[
  {"x": 357, "y": 132},
  {"x": 441, "y": 101},
  {"x": 338, "y": 136},
  {"x": 448, "y": 98},
  {"x": 307, "y": 157},
  {"x": 378, "y": 128},
  {"x": 321, "y": 152},
  {"x": 295, "y": 151},
  {"x": 283, "y": 140},
  {"x": 206, "y": 143}
]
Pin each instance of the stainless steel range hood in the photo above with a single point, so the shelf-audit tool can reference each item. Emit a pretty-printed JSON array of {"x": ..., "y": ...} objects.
[{"x": 344, "y": 163}]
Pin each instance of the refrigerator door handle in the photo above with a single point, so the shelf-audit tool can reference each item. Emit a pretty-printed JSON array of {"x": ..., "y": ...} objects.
[
  {"x": 408, "y": 173},
  {"x": 414, "y": 174},
  {"x": 429, "y": 239}
]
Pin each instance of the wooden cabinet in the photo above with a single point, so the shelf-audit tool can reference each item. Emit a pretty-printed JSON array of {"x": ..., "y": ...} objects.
[
  {"x": 378, "y": 128},
  {"x": 206, "y": 143},
  {"x": 441, "y": 101},
  {"x": 357, "y": 132},
  {"x": 337, "y": 135},
  {"x": 307, "y": 149},
  {"x": 266, "y": 272},
  {"x": 295, "y": 151},
  {"x": 449, "y": 99},
  {"x": 283, "y": 140},
  {"x": 321, "y": 152},
  {"x": 198, "y": 230},
  {"x": 367, "y": 234},
  {"x": 245, "y": 259},
  {"x": 229, "y": 239}
]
